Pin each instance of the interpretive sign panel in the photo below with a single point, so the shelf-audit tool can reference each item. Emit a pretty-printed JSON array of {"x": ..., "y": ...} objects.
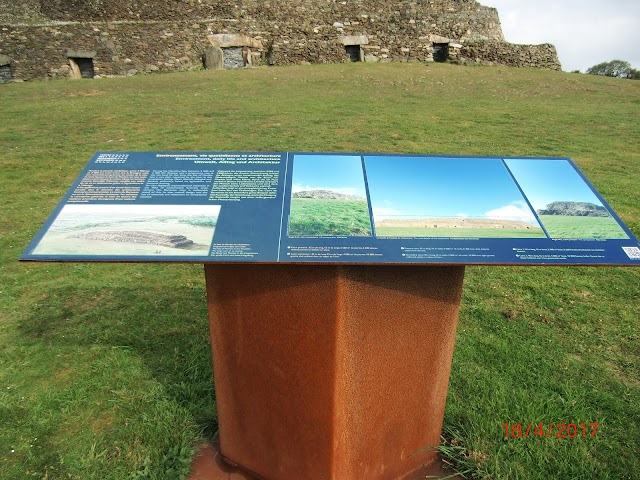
[{"x": 333, "y": 208}]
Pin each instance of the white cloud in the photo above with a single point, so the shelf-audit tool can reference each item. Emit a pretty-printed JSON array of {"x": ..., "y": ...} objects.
[
  {"x": 383, "y": 212},
  {"x": 517, "y": 211},
  {"x": 585, "y": 32}
]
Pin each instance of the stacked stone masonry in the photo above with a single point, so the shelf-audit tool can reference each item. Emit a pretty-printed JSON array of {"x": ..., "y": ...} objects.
[{"x": 127, "y": 37}]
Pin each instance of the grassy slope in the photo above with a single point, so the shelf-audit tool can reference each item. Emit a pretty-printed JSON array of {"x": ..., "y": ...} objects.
[
  {"x": 105, "y": 369},
  {"x": 457, "y": 232},
  {"x": 314, "y": 216},
  {"x": 565, "y": 226}
]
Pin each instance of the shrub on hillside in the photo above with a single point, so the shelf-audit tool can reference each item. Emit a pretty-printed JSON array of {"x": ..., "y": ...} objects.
[{"x": 615, "y": 68}]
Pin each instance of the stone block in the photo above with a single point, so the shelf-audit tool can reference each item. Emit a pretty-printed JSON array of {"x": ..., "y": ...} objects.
[
  {"x": 228, "y": 40},
  {"x": 353, "y": 40},
  {"x": 255, "y": 58},
  {"x": 213, "y": 58},
  {"x": 81, "y": 53},
  {"x": 439, "y": 39}
]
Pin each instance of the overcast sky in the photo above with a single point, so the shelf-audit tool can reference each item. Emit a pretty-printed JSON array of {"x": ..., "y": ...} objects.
[{"x": 585, "y": 32}]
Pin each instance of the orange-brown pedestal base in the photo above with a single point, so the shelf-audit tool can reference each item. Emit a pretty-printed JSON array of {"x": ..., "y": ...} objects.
[
  {"x": 331, "y": 372},
  {"x": 208, "y": 464}
]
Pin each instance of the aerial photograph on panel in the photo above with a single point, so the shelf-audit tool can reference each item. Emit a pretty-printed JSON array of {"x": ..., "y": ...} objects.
[
  {"x": 565, "y": 204},
  {"x": 328, "y": 197},
  {"x": 135, "y": 230},
  {"x": 447, "y": 197}
]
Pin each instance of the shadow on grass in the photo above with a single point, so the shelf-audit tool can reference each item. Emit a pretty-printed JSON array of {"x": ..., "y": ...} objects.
[{"x": 166, "y": 328}]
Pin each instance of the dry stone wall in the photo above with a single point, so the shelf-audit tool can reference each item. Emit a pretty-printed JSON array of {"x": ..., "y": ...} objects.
[
  {"x": 116, "y": 49},
  {"x": 134, "y": 10},
  {"x": 449, "y": 12},
  {"x": 539, "y": 56},
  {"x": 21, "y": 11},
  {"x": 166, "y": 35}
]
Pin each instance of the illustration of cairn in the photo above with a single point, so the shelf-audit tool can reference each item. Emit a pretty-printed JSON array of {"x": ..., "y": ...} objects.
[{"x": 150, "y": 238}]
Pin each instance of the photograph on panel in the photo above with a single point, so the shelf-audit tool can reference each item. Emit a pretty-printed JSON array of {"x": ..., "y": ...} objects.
[
  {"x": 447, "y": 197},
  {"x": 564, "y": 203},
  {"x": 136, "y": 230},
  {"x": 328, "y": 197}
]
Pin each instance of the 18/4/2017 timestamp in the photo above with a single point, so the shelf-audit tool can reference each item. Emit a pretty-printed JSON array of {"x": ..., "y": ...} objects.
[{"x": 552, "y": 430}]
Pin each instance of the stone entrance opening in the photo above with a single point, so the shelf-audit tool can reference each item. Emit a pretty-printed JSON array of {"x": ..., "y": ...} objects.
[
  {"x": 440, "y": 52},
  {"x": 353, "y": 46},
  {"x": 228, "y": 50},
  {"x": 233, "y": 57},
  {"x": 5, "y": 69},
  {"x": 5, "y": 73},
  {"x": 353, "y": 53},
  {"x": 82, "y": 67}
]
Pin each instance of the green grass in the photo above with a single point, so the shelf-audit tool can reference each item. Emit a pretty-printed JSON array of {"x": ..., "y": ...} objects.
[
  {"x": 105, "y": 370},
  {"x": 457, "y": 232},
  {"x": 566, "y": 226},
  {"x": 316, "y": 216},
  {"x": 199, "y": 222}
]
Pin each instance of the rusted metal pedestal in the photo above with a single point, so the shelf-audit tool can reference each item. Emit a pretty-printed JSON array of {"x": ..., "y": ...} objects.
[{"x": 331, "y": 372}]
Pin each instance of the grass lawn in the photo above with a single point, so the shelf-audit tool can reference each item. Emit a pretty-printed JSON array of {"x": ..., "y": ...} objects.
[
  {"x": 317, "y": 216},
  {"x": 458, "y": 232},
  {"x": 566, "y": 226},
  {"x": 105, "y": 369}
]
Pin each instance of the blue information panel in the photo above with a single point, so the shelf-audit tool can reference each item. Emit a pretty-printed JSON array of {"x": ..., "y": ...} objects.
[{"x": 333, "y": 208}]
